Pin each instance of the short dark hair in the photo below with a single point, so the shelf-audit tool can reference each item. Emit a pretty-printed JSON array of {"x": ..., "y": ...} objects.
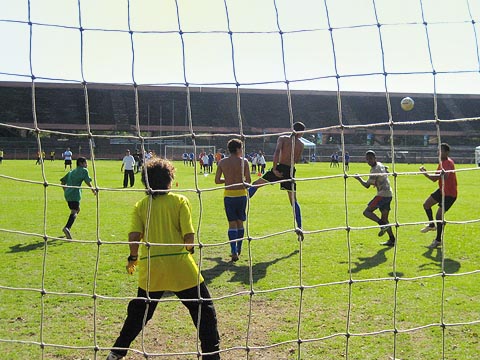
[
  {"x": 299, "y": 126},
  {"x": 371, "y": 153},
  {"x": 81, "y": 160},
  {"x": 445, "y": 147},
  {"x": 233, "y": 145},
  {"x": 160, "y": 174}
]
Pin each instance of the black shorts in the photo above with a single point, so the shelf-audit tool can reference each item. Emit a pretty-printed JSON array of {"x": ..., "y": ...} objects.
[
  {"x": 68, "y": 162},
  {"x": 449, "y": 200},
  {"x": 73, "y": 205},
  {"x": 285, "y": 171}
]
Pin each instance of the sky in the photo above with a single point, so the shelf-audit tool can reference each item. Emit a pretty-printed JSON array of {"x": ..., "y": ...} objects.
[{"x": 255, "y": 43}]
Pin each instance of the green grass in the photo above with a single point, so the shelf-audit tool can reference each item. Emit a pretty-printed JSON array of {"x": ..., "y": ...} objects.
[{"x": 70, "y": 321}]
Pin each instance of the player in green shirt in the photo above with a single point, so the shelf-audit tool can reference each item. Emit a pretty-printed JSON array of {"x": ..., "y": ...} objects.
[
  {"x": 164, "y": 221},
  {"x": 73, "y": 194}
]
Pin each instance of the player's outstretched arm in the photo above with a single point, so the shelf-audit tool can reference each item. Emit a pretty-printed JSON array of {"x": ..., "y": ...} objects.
[
  {"x": 365, "y": 184},
  {"x": 433, "y": 177},
  {"x": 94, "y": 191}
]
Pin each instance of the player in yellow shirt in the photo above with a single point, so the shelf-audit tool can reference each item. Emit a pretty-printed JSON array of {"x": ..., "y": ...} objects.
[{"x": 165, "y": 218}]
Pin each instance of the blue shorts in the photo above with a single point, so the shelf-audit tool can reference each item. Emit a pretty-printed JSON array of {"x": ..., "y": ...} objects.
[
  {"x": 380, "y": 202},
  {"x": 235, "y": 207}
]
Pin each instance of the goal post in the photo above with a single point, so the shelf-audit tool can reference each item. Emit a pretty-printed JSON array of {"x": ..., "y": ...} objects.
[{"x": 175, "y": 152}]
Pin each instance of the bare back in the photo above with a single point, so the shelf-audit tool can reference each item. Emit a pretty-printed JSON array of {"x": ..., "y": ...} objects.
[
  {"x": 231, "y": 168},
  {"x": 283, "y": 151}
]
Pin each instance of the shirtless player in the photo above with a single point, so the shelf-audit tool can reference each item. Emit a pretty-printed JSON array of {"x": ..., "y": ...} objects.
[
  {"x": 235, "y": 194},
  {"x": 282, "y": 168}
]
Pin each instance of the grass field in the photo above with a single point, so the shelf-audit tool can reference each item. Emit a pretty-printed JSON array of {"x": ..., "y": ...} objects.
[{"x": 391, "y": 301}]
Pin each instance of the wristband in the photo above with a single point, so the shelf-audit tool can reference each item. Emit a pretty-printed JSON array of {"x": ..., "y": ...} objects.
[{"x": 133, "y": 258}]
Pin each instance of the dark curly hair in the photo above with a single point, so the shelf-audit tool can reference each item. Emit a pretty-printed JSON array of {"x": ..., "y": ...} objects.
[
  {"x": 160, "y": 174},
  {"x": 233, "y": 145}
]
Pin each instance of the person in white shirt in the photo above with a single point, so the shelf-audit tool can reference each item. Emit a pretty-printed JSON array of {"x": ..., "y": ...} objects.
[
  {"x": 261, "y": 163},
  {"x": 379, "y": 179},
  {"x": 67, "y": 156},
  {"x": 254, "y": 163},
  {"x": 128, "y": 163},
  {"x": 205, "y": 163}
]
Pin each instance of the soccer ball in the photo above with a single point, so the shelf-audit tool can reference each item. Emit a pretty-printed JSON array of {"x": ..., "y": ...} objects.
[{"x": 407, "y": 104}]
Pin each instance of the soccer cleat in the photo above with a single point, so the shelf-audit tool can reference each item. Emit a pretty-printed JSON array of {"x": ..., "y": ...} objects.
[
  {"x": 383, "y": 230},
  {"x": 113, "y": 356},
  {"x": 428, "y": 228},
  {"x": 388, "y": 243},
  {"x": 66, "y": 231},
  {"x": 234, "y": 257},
  {"x": 435, "y": 244}
]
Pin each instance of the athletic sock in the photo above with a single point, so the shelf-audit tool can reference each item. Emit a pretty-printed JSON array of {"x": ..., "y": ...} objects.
[
  {"x": 429, "y": 213},
  {"x": 233, "y": 235},
  {"x": 298, "y": 215},
  {"x": 241, "y": 234},
  {"x": 439, "y": 231},
  {"x": 71, "y": 220}
]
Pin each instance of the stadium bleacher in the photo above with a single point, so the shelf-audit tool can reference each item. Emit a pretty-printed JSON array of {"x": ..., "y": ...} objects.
[{"x": 164, "y": 111}]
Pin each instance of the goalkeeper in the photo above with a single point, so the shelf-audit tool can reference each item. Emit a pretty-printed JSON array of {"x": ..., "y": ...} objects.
[{"x": 165, "y": 218}]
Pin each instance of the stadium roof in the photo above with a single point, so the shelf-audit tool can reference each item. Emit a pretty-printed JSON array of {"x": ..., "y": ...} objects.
[{"x": 308, "y": 144}]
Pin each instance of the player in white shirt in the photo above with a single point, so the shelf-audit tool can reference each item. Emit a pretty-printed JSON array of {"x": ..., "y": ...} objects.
[{"x": 382, "y": 200}]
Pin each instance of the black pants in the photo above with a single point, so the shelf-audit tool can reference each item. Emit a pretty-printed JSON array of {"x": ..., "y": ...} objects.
[
  {"x": 128, "y": 174},
  {"x": 208, "y": 333}
]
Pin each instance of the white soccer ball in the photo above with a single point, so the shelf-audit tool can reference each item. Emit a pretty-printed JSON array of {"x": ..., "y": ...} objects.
[{"x": 407, "y": 104}]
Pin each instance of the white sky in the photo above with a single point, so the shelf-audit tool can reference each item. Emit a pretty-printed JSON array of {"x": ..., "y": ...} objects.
[{"x": 257, "y": 46}]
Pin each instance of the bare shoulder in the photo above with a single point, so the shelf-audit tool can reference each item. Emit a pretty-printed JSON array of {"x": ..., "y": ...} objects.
[{"x": 284, "y": 139}]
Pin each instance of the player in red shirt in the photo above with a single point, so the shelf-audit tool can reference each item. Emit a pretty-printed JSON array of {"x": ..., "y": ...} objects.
[{"x": 444, "y": 196}]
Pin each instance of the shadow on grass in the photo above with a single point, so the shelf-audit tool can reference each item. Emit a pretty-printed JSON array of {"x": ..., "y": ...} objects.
[
  {"x": 450, "y": 266},
  {"x": 31, "y": 247},
  {"x": 241, "y": 272},
  {"x": 366, "y": 263}
]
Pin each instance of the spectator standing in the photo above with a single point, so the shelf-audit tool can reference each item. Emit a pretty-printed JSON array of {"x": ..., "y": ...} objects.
[
  {"x": 128, "y": 163},
  {"x": 67, "y": 157}
]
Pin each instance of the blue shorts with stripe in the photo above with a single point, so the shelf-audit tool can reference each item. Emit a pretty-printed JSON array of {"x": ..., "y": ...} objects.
[{"x": 235, "y": 207}]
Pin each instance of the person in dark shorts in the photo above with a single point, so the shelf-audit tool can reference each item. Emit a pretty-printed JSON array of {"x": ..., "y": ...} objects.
[
  {"x": 165, "y": 218},
  {"x": 67, "y": 157},
  {"x": 379, "y": 179},
  {"x": 444, "y": 196},
  {"x": 282, "y": 169},
  {"x": 73, "y": 194}
]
